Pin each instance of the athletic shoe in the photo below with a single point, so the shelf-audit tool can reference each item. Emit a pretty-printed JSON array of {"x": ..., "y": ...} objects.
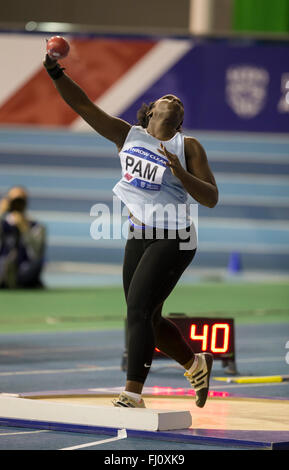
[
  {"x": 199, "y": 379},
  {"x": 128, "y": 402}
]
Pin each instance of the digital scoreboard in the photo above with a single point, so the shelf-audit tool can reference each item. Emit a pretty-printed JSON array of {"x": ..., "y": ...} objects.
[{"x": 213, "y": 335}]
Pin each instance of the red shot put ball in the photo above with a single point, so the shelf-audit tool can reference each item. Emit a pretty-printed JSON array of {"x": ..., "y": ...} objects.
[{"x": 57, "y": 47}]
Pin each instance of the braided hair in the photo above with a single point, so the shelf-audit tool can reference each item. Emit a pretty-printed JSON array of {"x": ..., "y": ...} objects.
[{"x": 142, "y": 114}]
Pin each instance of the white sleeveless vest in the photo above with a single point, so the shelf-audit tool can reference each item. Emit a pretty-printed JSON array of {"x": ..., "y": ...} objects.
[{"x": 148, "y": 188}]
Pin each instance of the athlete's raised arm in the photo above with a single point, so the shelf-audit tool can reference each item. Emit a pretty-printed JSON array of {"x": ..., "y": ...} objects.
[{"x": 110, "y": 127}]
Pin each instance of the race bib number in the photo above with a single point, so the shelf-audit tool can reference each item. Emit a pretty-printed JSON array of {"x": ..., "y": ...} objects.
[{"x": 143, "y": 168}]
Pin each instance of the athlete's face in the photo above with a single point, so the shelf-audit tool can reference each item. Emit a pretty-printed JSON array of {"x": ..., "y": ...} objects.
[
  {"x": 170, "y": 99},
  {"x": 170, "y": 104}
]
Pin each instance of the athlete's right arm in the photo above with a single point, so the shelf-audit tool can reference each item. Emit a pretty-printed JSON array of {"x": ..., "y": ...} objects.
[{"x": 110, "y": 127}]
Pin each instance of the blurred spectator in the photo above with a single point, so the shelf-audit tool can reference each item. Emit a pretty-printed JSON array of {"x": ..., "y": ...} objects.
[{"x": 22, "y": 243}]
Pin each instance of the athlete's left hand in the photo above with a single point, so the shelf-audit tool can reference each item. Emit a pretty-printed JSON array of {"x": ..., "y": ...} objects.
[{"x": 173, "y": 162}]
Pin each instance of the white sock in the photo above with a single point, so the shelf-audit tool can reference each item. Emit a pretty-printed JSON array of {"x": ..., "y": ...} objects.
[
  {"x": 194, "y": 365},
  {"x": 135, "y": 396}
]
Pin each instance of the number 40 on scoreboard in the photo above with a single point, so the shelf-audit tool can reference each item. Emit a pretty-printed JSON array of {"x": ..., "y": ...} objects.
[
  {"x": 214, "y": 335},
  {"x": 217, "y": 341}
]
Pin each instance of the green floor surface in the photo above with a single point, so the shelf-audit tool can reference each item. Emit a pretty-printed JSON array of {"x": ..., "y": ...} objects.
[{"x": 104, "y": 308}]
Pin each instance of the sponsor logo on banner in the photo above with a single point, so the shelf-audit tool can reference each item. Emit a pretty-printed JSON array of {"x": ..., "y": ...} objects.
[
  {"x": 246, "y": 89},
  {"x": 283, "y": 105}
]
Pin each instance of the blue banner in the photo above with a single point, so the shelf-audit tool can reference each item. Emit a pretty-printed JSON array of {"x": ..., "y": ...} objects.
[{"x": 228, "y": 85}]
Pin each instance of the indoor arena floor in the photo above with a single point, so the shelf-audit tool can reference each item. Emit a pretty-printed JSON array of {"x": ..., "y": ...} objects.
[{"x": 73, "y": 361}]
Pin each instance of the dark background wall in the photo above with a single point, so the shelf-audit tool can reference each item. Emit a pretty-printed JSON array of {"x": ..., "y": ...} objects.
[
  {"x": 159, "y": 15},
  {"x": 149, "y": 13}
]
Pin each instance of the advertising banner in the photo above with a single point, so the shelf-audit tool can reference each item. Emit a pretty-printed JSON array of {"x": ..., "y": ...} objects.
[
  {"x": 228, "y": 86},
  {"x": 225, "y": 84}
]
